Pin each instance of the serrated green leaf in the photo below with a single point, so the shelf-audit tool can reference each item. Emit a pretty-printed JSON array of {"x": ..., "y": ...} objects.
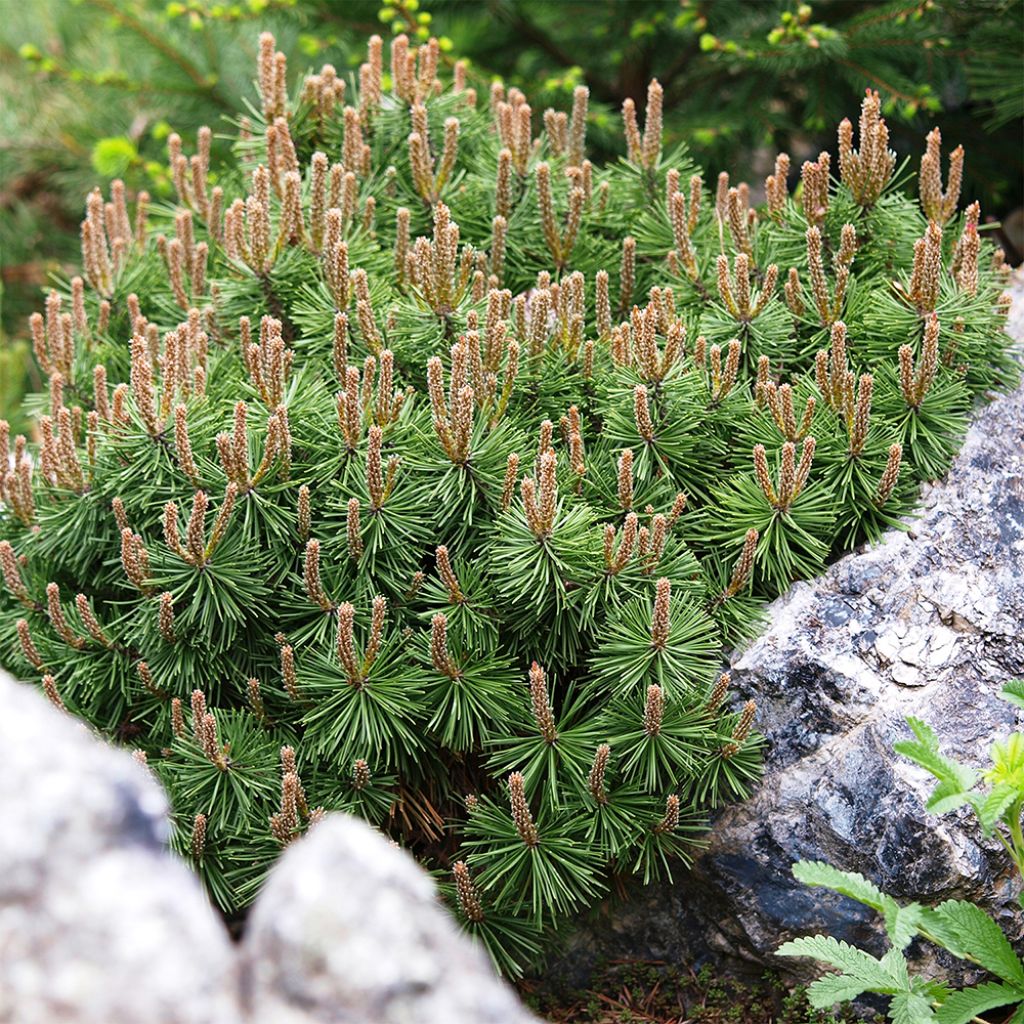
[
  {"x": 1013, "y": 691},
  {"x": 995, "y": 805},
  {"x": 947, "y": 796},
  {"x": 910, "y": 1008},
  {"x": 945, "y": 769},
  {"x": 980, "y": 937},
  {"x": 896, "y": 966},
  {"x": 901, "y": 923},
  {"x": 854, "y": 962},
  {"x": 926, "y": 735},
  {"x": 846, "y": 883},
  {"x": 834, "y": 988},
  {"x": 938, "y": 930},
  {"x": 962, "y": 1006}
]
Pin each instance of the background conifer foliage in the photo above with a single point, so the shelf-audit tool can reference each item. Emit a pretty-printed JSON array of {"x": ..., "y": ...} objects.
[{"x": 419, "y": 467}]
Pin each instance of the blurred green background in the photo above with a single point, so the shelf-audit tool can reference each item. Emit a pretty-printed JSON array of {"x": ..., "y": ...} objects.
[{"x": 91, "y": 88}]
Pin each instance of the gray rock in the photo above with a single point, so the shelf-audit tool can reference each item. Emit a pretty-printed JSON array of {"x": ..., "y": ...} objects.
[
  {"x": 347, "y": 929},
  {"x": 98, "y": 923},
  {"x": 929, "y": 623}
]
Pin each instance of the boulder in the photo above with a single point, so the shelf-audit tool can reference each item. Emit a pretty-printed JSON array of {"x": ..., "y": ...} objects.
[
  {"x": 347, "y": 929},
  {"x": 99, "y": 924},
  {"x": 929, "y": 623}
]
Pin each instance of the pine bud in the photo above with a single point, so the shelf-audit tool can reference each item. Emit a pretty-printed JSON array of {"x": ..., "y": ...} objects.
[
  {"x": 256, "y": 698},
  {"x": 866, "y": 172},
  {"x": 345, "y": 644},
  {"x": 741, "y": 731},
  {"x": 50, "y": 689},
  {"x": 183, "y": 445},
  {"x": 439, "y": 647},
  {"x": 763, "y": 477},
  {"x": 198, "y": 702},
  {"x": 90, "y": 622},
  {"x": 134, "y": 559},
  {"x": 28, "y": 647},
  {"x": 737, "y": 209},
  {"x": 285, "y": 823},
  {"x": 634, "y": 145},
  {"x": 57, "y": 619},
  {"x": 625, "y": 479},
  {"x": 177, "y": 718},
  {"x": 511, "y": 474},
  {"x": 629, "y": 535},
  {"x": 447, "y": 574},
  {"x": 627, "y": 272},
  {"x": 717, "y": 695},
  {"x": 642, "y": 414},
  {"x": 467, "y": 893},
  {"x": 926, "y": 274},
  {"x": 374, "y": 468},
  {"x": 654, "y": 708},
  {"x": 794, "y": 293},
  {"x": 602, "y": 305},
  {"x": 360, "y": 774},
  {"x": 305, "y": 513},
  {"x": 12, "y": 574},
  {"x": 595, "y": 780},
  {"x": 542, "y": 713},
  {"x": 378, "y": 616},
  {"x": 744, "y": 566},
  {"x": 311, "y": 576},
  {"x": 803, "y": 470},
  {"x": 890, "y": 475},
  {"x": 146, "y": 677},
  {"x": 861, "y": 415},
  {"x": 776, "y": 188},
  {"x": 195, "y": 533},
  {"x": 814, "y": 177},
  {"x": 353, "y": 530},
  {"x": 288, "y": 676},
  {"x": 670, "y": 822},
  {"x": 521, "y": 811},
  {"x": 198, "y": 845}
]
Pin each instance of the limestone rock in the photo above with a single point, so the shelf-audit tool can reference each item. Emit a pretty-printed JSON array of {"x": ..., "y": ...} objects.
[
  {"x": 347, "y": 929},
  {"x": 98, "y": 923}
]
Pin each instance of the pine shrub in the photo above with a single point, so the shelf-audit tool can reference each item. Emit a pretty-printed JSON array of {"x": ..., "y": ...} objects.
[{"x": 416, "y": 467}]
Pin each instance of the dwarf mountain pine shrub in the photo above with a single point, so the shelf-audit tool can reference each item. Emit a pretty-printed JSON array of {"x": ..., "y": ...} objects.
[{"x": 419, "y": 468}]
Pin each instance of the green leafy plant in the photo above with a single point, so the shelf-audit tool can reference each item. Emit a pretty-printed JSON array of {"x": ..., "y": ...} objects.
[
  {"x": 438, "y": 475},
  {"x": 956, "y": 926},
  {"x": 997, "y": 806}
]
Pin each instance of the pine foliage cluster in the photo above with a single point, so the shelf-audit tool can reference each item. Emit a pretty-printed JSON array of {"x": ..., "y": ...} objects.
[{"x": 422, "y": 469}]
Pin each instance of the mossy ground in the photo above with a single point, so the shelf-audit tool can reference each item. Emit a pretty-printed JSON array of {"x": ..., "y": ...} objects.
[{"x": 652, "y": 992}]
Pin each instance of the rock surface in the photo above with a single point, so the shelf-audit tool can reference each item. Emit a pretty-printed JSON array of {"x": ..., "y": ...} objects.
[
  {"x": 928, "y": 623},
  {"x": 99, "y": 924},
  {"x": 347, "y": 929}
]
